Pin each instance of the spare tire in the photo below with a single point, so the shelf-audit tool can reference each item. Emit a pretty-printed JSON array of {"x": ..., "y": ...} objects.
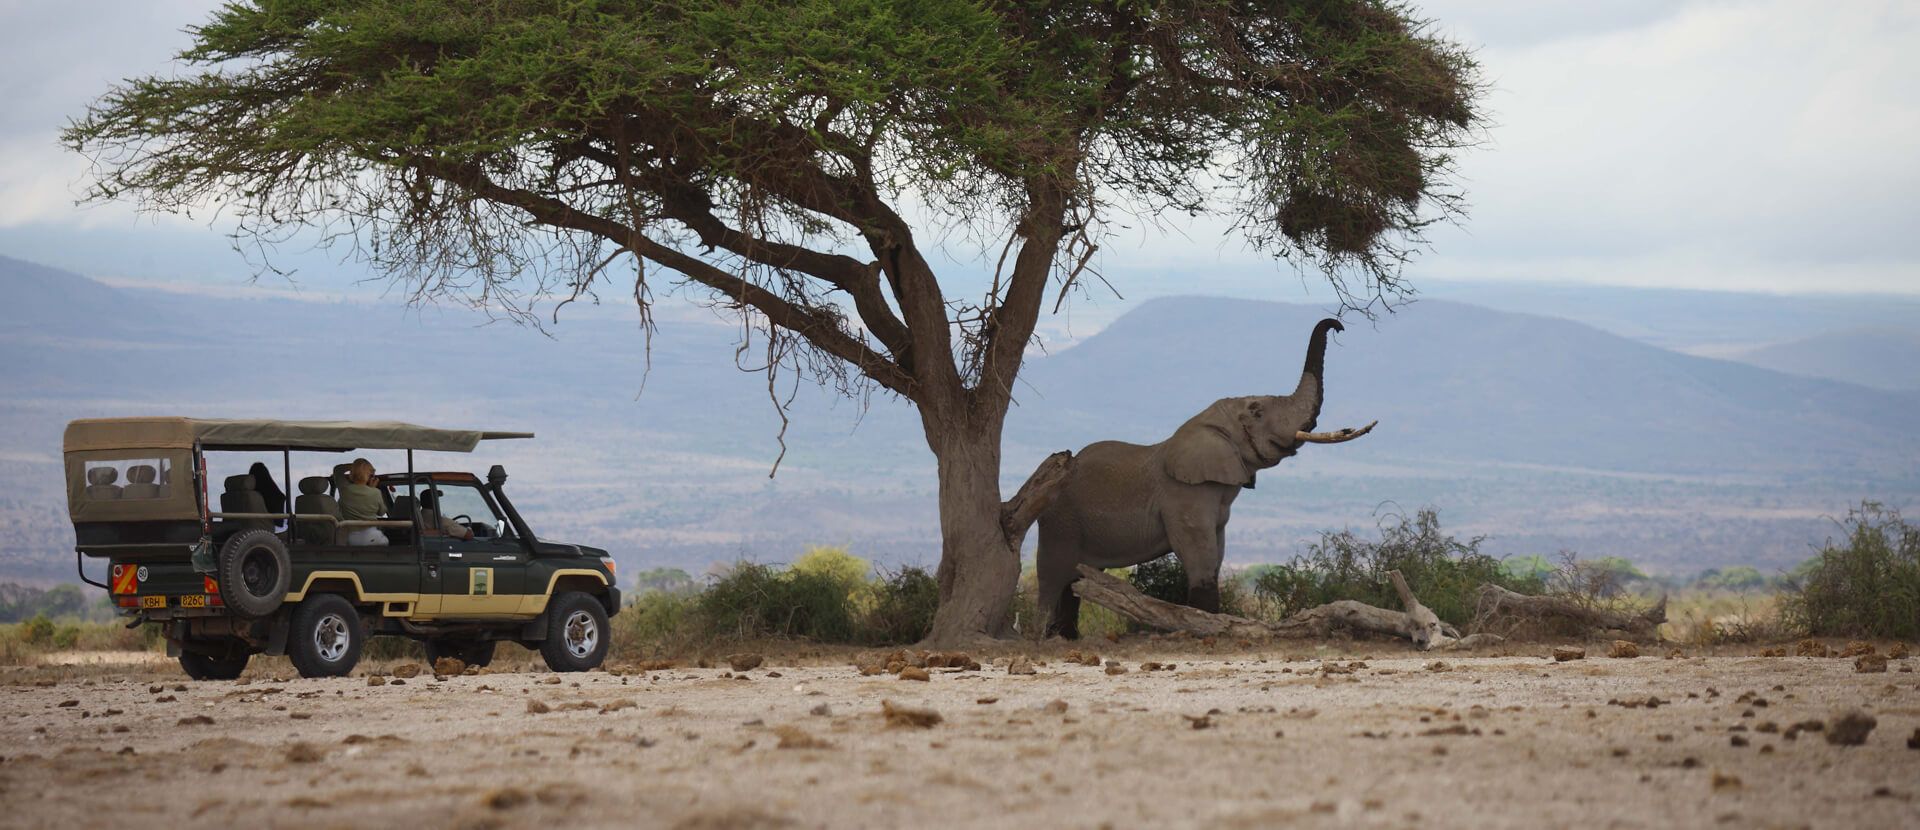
[{"x": 254, "y": 573}]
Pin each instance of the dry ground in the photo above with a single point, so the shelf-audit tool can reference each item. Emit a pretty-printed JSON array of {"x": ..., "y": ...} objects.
[{"x": 1515, "y": 741}]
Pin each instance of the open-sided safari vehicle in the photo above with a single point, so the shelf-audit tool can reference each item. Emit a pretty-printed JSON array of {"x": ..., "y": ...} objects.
[{"x": 226, "y": 577}]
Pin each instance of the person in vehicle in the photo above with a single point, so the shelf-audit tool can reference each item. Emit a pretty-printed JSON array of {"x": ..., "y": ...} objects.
[
  {"x": 431, "y": 519},
  {"x": 361, "y": 501},
  {"x": 269, "y": 491}
]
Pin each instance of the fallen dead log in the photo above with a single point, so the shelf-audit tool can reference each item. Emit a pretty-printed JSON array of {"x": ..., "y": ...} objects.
[
  {"x": 1423, "y": 626},
  {"x": 1496, "y": 602},
  {"x": 1109, "y": 591}
]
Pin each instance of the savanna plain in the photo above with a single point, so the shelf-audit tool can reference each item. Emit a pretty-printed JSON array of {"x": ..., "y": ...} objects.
[{"x": 1155, "y": 731}]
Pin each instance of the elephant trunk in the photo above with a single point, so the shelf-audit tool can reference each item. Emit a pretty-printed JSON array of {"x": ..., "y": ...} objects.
[{"x": 1311, "y": 390}]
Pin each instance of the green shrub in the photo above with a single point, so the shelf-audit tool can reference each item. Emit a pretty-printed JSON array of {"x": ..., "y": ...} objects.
[
  {"x": 1166, "y": 579},
  {"x": 1866, "y": 586},
  {"x": 1163, "y": 579},
  {"x": 395, "y": 648},
  {"x": 903, "y": 606},
  {"x": 66, "y": 637},
  {"x": 657, "y": 623},
  {"x": 755, "y": 600},
  {"x": 1735, "y": 578},
  {"x": 37, "y": 630},
  {"x": 1443, "y": 572}
]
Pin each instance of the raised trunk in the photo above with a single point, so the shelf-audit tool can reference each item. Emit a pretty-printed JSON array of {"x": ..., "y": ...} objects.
[
  {"x": 1311, "y": 389},
  {"x": 979, "y": 569}
]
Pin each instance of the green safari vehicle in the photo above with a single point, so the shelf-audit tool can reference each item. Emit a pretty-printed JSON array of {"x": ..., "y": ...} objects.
[{"x": 226, "y": 576}]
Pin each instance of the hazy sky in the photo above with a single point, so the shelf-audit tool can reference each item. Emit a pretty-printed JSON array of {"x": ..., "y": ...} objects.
[{"x": 1723, "y": 145}]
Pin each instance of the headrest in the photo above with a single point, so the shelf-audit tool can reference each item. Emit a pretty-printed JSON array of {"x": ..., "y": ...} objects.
[
  {"x": 240, "y": 483},
  {"x": 102, "y": 475},
  {"x": 313, "y": 485},
  {"x": 430, "y": 499},
  {"x": 142, "y": 474},
  {"x": 340, "y": 470}
]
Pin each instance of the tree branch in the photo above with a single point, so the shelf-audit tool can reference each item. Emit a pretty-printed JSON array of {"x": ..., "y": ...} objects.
[
  {"x": 819, "y": 326},
  {"x": 1012, "y": 322}
]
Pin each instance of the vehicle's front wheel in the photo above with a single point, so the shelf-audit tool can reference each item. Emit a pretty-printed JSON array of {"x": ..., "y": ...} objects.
[
  {"x": 474, "y": 653},
  {"x": 223, "y": 666},
  {"x": 324, "y": 637},
  {"x": 576, "y": 633}
]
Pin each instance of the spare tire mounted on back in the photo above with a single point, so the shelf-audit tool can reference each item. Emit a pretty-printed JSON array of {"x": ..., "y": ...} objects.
[{"x": 254, "y": 573}]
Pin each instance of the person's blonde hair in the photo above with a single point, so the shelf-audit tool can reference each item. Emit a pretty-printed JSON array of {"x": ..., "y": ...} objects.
[{"x": 361, "y": 472}]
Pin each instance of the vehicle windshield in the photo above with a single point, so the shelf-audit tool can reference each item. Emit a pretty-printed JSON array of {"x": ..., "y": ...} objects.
[{"x": 457, "y": 502}]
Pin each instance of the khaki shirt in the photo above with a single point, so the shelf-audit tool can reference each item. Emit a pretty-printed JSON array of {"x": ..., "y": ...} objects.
[
  {"x": 358, "y": 502},
  {"x": 432, "y": 518}
]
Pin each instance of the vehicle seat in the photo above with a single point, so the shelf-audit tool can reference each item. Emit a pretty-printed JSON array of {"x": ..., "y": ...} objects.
[
  {"x": 315, "y": 501},
  {"x": 140, "y": 478},
  {"x": 240, "y": 497},
  {"x": 100, "y": 483},
  {"x": 401, "y": 511}
]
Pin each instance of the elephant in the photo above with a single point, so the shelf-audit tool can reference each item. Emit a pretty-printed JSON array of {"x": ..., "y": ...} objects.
[{"x": 1123, "y": 504}]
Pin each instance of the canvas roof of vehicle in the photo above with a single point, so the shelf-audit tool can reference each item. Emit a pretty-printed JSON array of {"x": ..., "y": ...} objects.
[{"x": 258, "y": 435}]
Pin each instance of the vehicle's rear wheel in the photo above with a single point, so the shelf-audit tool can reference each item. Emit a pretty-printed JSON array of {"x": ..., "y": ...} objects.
[
  {"x": 576, "y": 633},
  {"x": 324, "y": 636},
  {"x": 476, "y": 653},
  {"x": 226, "y": 665},
  {"x": 254, "y": 573}
]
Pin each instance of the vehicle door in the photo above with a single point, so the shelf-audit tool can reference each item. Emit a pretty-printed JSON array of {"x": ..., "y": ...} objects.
[{"x": 481, "y": 576}]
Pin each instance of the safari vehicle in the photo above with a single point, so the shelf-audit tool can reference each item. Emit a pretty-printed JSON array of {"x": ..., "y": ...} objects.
[{"x": 226, "y": 578}]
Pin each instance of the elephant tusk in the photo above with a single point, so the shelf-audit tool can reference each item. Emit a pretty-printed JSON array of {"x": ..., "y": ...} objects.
[{"x": 1336, "y": 437}]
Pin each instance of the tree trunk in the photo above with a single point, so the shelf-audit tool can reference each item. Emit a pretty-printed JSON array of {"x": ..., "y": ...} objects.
[{"x": 979, "y": 571}]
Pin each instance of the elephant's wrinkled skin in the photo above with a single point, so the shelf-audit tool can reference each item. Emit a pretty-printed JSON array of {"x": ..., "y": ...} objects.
[{"x": 1125, "y": 504}]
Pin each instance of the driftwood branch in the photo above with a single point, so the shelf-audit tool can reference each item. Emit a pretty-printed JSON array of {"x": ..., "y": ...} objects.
[
  {"x": 1424, "y": 627},
  {"x": 1495, "y": 601},
  {"x": 1337, "y": 436},
  {"x": 1104, "y": 589},
  {"x": 1019, "y": 513}
]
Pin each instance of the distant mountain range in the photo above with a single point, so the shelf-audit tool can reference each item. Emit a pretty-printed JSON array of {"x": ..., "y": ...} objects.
[
  {"x": 1541, "y": 432},
  {"x": 1883, "y": 358}
]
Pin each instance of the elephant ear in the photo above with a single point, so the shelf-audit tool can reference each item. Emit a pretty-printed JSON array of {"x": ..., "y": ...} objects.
[{"x": 1205, "y": 449}]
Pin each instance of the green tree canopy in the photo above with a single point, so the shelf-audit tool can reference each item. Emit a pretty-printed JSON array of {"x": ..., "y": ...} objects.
[{"x": 509, "y": 151}]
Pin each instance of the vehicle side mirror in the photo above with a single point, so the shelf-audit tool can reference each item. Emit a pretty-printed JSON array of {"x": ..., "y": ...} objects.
[
  {"x": 500, "y": 529},
  {"x": 497, "y": 475}
]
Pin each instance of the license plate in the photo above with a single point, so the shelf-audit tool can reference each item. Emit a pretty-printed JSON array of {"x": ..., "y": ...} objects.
[
  {"x": 153, "y": 602},
  {"x": 193, "y": 601}
]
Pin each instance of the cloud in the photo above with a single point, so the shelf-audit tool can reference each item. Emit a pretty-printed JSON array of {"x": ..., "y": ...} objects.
[
  {"x": 1757, "y": 145},
  {"x": 55, "y": 58}
]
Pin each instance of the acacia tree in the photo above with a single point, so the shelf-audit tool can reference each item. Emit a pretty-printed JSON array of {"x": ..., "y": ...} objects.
[{"x": 785, "y": 157}]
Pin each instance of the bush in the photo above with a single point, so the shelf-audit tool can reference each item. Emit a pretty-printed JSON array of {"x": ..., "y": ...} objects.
[
  {"x": 1443, "y": 572},
  {"x": 903, "y": 608},
  {"x": 1166, "y": 579},
  {"x": 762, "y": 601},
  {"x": 657, "y": 623},
  {"x": 37, "y": 631},
  {"x": 1163, "y": 579},
  {"x": 1867, "y": 586}
]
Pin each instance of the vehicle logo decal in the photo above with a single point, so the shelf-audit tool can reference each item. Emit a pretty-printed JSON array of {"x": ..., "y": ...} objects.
[
  {"x": 480, "y": 582},
  {"x": 142, "y": 573}
]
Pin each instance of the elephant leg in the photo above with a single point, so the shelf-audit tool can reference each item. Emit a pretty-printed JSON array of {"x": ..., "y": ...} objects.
[
  {"x": 1059, "y": 607},
  {"x": 1199, "y": 549},
  {"x": 1066, "y": 619}
]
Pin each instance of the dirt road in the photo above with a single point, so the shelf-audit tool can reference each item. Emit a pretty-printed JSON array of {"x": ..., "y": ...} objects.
[{"x": 1222, "y": 741}]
